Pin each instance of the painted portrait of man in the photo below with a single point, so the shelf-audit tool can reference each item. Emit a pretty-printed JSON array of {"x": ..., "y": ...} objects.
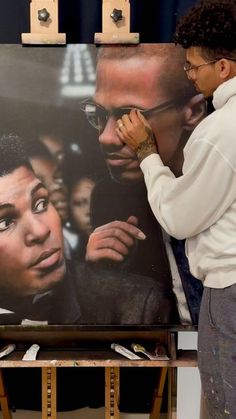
[
  {"x": 124, "y": 257},
  {"x": 150, "y": 78}
]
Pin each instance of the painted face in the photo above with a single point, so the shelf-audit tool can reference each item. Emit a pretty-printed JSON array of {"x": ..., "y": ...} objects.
[
  {"x": 80, "y": 205},
  {"x": 54, "y": 145},
  {"x": 31, "y": 244},
  {"x": 46, "y": 170},
  {"x": 135, "y": 82},
  {"x": 202, "y": 72}
]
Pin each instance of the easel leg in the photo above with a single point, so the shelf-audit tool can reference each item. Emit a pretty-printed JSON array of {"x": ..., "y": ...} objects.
[
  {"x": 158, "y": 393},
  {"x": 6, "y": 413},
  {"x": 112, "y": 393},
  {"x": 49, "y": 395},
  {"x": 172, "y": 393}
]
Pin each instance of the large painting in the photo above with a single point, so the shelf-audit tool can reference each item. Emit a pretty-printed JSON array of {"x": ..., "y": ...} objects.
[{"x": 79, "y": 244}]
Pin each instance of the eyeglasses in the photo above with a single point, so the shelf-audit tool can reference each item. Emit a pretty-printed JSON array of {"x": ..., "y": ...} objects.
[
  {"x": 98, "y": 116},
  {"x": 188, "y": 67}
]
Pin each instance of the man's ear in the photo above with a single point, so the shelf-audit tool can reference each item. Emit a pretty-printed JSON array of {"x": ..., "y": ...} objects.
[
  {"x": 224, "y": 69},
  {"x": 195, "y": 111}
]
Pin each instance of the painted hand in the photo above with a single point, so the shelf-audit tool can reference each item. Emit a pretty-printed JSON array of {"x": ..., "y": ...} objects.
[{"x": 114, "y": 240}]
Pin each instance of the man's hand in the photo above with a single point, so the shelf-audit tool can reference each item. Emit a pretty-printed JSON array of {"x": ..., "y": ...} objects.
[
  {"x": 135, "y": 131},
  {"x": 113, "y": 240}
]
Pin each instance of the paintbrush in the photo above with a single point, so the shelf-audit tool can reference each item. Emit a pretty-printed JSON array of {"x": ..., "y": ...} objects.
[{"x": 139, "y": 348}]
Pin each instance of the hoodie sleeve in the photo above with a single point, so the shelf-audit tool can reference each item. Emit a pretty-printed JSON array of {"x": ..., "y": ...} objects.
[{"x": 187, "y": 205}]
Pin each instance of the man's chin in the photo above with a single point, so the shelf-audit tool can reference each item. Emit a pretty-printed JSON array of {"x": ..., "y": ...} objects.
[
  {"x": 51, "y": 279},
  {"x": 129, "y": 176}
]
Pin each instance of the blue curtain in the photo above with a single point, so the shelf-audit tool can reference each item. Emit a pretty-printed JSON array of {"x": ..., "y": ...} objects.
[{"x": 155, "y": 20}]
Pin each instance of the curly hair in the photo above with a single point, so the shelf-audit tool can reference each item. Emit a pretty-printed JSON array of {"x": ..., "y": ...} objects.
[
  {"x": 13, "y": 154},
  {"x": 210, "y": 25}
]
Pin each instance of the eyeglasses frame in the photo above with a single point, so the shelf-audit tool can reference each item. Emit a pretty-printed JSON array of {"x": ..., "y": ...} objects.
[
  {"x": 196, "y": 67},
  {"x": 145, "y": 112}
]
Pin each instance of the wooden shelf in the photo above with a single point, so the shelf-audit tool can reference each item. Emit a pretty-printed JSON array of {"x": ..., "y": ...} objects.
[
  {"x": 57, "y": 349},
  {"x": 76, "y": 358}
]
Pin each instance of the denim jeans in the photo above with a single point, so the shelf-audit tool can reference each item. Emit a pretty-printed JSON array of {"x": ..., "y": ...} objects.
[{"x": 217, "y": 351}]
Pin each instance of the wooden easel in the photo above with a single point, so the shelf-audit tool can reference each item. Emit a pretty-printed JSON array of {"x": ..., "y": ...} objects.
[
  {"x": 6, "y": 413},
  {"x": 112, "y": 390},
  {"x": 43, "y": 24},
  {"x": 104, "y": 358},
  {"x": 49, "y": 388},
  {"x": 116, "y": 24},
  {"x": 112, "y": 393},
  {"x": 158, "y": 394}
]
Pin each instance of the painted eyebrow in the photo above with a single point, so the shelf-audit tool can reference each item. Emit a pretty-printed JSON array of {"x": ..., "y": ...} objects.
[
  {"x": 119, "y": 107},
  {"x": 6, "y": 206},
  {"x": 39, "y": 185}
]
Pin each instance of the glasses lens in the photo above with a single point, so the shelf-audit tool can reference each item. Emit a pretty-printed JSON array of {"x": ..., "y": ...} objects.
[
  {"x": 96, "y": 116},
  {"x": 101, "y": 117},
  {"x": 91, "y": 114},
  {"x": 187, "y": 67},
  {"x": 119, "y": 112}
]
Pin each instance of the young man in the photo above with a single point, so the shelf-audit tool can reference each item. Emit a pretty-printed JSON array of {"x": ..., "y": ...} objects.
[{"x": 200, "y": 205}]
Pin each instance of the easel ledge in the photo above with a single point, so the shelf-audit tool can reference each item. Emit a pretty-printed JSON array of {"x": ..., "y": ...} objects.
[
  {"x": 49, "y": 361},
  {"x": 43, "y": 39},
  {"x": 116, "y": 38},
  {"x": 83, "y": 346},
  {"x": 93, "y": 358}
]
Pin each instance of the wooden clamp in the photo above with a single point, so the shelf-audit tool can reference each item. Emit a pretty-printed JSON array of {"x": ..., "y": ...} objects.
[
  {"x": 43, "y": 24},
  {"x": 116, "y": 24}
]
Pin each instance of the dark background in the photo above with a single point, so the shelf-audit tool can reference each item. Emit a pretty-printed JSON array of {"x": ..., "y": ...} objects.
[{"x": 155, "y": 20}]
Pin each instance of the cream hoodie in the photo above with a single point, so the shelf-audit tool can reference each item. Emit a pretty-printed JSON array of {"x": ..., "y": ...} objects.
[{"x": 201, "y": 204}]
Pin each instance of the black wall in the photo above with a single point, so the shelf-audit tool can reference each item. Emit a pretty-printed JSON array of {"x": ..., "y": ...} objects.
[{"x": 155, "y": 20}]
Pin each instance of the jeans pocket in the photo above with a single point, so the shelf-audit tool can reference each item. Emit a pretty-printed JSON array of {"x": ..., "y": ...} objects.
[{"x": 210, "y": 311}]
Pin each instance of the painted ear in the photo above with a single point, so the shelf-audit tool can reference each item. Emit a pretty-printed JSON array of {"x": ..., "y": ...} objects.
[{"x": 195, "y": 111}]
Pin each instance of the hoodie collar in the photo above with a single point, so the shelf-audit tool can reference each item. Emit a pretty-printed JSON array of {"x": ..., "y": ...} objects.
[{"x": 224, "y": 92}]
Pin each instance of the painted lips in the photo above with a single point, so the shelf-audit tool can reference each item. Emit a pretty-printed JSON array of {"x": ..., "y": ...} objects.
[
  {"x": 47, "y": 259},
  {"x": 116, "y": 159},
  {"x": 118, "y": 162}
]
